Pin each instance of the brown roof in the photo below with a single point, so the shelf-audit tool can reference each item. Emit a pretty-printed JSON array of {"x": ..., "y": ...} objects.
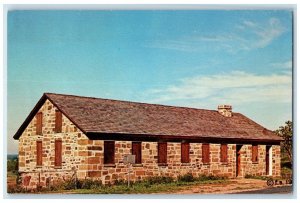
[{"x": 105, "y": 116}]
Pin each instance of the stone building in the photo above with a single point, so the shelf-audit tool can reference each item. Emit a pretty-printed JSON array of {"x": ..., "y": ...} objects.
[{"x": 66, "y": 136}]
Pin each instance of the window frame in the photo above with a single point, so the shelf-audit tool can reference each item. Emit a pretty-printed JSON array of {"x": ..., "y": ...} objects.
[
  {"x": 224, "y": 153},
  {"x": 39, "y": 153},
  {"x": 162, "y": 153},
  {"x": 185, "y": 152},
  {"x": 58, "y": 153},
  {"x": 254, "y": 153},
  {"x": 39, "y": 123},
  {"x": 136, "y": 149},
  {"x": 58, "y": 121},
  {"x": 205, "y": 153},
  {"x": 109, "y": 152}
]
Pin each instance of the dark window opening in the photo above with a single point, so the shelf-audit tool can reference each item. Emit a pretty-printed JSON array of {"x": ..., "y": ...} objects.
[
  {"x": 205, "y": 153},
  {"x": 39, "y": 123},
  {"x": 255, "y": 153},
  {"x": 39, "y": 153},
  {"x": 224, "y": 150},
  {"x": 58, "y": 121},
  {"x": 109, "y": 152},
  {"x": 185, "y": 152},
  {"x": 137, "y": 151},
  {"x": 162, "y": 152},
  {"x": 58, "y": 153}
]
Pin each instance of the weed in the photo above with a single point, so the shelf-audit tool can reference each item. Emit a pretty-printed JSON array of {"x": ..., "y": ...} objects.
[
  {"x": 186, "y": 178},
  {"x": 249, "y": 176}
]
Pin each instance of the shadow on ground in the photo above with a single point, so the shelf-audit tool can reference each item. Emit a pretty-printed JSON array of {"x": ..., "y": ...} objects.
[{"x": 272, "y": 190}]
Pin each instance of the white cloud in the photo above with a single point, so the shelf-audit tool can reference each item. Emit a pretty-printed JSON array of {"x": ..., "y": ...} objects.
[
  {"x": 284, "y": 65},
  {"x": 235, "y": 88},
  {"x": 266, "y": 34},
  {"x": 249, "y": 23},
  {"x": 245, "y": 36}
]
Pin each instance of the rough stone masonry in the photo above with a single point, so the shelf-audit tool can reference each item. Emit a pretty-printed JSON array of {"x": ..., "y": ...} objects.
[{"x": 84, "y": 158}]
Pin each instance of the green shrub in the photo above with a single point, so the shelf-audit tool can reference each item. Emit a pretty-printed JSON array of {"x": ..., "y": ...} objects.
[
  {"x": 186, "y": 178},
  {"x": 203, "y": 177},
  {"x": 159, "y": 180},
  {"x": 90, "y": 184},
  {"x": 120, "y": 182},
  {"x": 249, "y": 176},
  {"x": 69, "y": 184},
  {"x": 12, "y": 166}
]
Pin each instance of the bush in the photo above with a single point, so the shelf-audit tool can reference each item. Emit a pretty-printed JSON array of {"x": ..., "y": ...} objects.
[
  {"x": 203, "y": 177},
  {"x": 120, "y": 182},
  {"x": 12, "y": 165},
  {"x": 16, "y": 189},
  {"x": 159, "y": 180},
  {"x": 90, "y": 184},
  {"x": 249, "y": 176},
  {"x": 186, "y": 178}
]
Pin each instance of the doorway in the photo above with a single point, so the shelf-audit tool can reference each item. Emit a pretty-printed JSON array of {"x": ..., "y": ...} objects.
[
  {"x": 238, "y": 160},
  {"x": 268, "y": 160}
]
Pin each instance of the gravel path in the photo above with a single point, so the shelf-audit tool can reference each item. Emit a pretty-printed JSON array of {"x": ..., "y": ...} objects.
[
  {"x": 236, "y": 186},
  {"x": 272, "y": 190}
]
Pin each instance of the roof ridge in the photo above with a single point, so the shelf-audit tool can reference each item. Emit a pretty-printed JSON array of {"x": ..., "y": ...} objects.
[{"x": 134, "y": 102}]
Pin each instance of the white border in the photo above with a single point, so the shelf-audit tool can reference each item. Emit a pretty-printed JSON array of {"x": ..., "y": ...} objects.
[{"x": 113, "y": 4}]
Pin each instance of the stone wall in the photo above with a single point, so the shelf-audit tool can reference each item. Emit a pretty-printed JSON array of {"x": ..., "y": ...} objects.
[
  {"x": 149, "y": 167},
  {"x": 276, "y": 159},
  {"x": 250, "y": 168},
  {"x": 85, "y": 157},
  {"x": 73, "y": 152}
]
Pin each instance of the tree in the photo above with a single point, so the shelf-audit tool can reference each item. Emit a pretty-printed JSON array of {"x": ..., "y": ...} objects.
[{"x": 286, "y": 132}]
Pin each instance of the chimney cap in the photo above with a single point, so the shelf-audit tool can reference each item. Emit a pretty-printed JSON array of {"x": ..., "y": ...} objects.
[{"x": 224, "y": 106}]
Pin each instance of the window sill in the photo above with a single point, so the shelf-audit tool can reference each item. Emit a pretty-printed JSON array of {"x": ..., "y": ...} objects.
[
  {"x": 137, "y": 165},
  {"x": 109, "y": 165},
  {"x": 40, "y": 166},
  {"x": 206, "y": 163},
  {"x": 224, "y": 163},
  {"x": 255, "y": 162},
  {"x": 185, "y": 164},
  {"x": 57, "y": 167},
  {"x": 162, "y": 164}
]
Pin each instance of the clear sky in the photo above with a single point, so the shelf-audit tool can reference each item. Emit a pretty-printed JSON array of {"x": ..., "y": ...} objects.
[{"x": 190, "y": 58}]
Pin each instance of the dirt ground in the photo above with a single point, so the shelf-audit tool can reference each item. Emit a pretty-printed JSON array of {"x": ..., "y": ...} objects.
[
  {"x": 11, "y": 179},
  {"x": 234, "y": 186}
]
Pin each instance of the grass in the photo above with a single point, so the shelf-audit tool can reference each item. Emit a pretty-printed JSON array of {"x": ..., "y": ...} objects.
[
  {"x": 143, "y": 188},
  {"x": 148, "y": 186},
  {"x": 256, "y": 177}
]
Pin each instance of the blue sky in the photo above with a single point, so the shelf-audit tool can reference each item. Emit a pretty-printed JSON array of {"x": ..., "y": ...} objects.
[{"x": 196, "y": 58}]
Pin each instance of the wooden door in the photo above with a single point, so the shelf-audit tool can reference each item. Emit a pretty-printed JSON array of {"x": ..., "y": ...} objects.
[
  {"x": 268, "y": 160},
  {"x": 238, "y": 160}
]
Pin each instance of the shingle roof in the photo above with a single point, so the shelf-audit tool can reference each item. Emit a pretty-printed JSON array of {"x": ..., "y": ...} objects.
[{"x": 94, "y": 115}]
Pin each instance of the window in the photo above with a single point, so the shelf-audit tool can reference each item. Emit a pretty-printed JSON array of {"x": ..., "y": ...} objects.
[
  {"x": 185, "y": 152},
  {"x": 205, "y": 153},
  {"x": 224, "y": 152},
  {"x": 39, "y": 153},
  {"x": 58, "y": 153},
  {"x": 39, "y": 123},
  {"x": 137, "y": 151},
  {"x": 58, "y": 121},
  {"x": 162, "y": 153},
  {"x": 109, "y": 152},
  {"x": 255, "y": 153}
]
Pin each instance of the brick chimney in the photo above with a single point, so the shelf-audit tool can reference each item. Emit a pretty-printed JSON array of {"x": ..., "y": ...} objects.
[{"x": 225, "y": 110}]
